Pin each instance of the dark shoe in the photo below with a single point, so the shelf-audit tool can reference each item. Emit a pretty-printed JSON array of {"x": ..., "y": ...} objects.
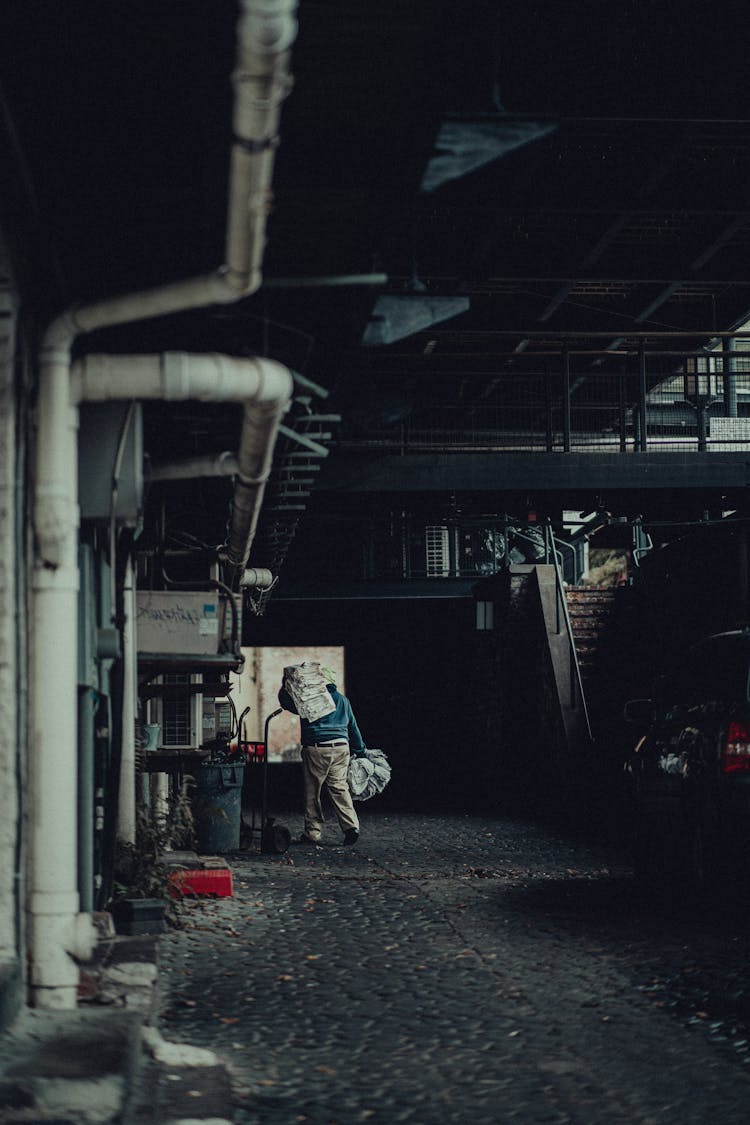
[
  {"x": 351, "y": 836},
  {"x": 307, "y": 840}
]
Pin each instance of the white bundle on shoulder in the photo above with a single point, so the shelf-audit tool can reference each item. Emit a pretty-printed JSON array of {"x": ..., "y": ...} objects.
[
  {"x": 368, "y": 774},
  {"x": 307, "y": 686}
]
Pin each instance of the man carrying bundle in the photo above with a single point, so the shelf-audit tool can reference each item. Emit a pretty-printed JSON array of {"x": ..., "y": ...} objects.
[{"x": 329, "y": 734}]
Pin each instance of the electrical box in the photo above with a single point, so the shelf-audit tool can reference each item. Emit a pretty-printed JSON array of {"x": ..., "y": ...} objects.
[{"x": 190, "y": 622}]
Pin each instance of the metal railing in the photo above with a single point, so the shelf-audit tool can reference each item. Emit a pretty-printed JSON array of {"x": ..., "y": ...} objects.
[
  {"x": 629, "y": 400},
  {"x": 562, "y": 616}
]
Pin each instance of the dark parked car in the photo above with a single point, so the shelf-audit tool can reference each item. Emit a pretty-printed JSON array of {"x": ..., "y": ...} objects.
[{"x": 690, "y": 771}]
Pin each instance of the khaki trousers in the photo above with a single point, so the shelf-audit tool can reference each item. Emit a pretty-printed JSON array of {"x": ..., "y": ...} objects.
[{"x": 326, "y": 765}]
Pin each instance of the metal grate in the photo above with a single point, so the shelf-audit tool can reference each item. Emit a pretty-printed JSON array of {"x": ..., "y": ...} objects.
[
  {"x": 437, "y": 551},
  {"x": 176, "y": 726}
]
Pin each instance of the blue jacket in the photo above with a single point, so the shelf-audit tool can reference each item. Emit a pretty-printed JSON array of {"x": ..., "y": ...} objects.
[{"x": 338, "y": 724}]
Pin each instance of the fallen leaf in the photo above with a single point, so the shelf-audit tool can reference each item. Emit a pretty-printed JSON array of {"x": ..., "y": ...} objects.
[
  {"x": 229, "y": 1019},
  {"x": 285, "y": 976},
  {"x": 325, "y": 1070},
  {"x": 312, "y": 956}
]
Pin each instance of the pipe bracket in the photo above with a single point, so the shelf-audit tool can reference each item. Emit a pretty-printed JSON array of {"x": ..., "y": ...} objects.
[{"x": 251, "y": 146}]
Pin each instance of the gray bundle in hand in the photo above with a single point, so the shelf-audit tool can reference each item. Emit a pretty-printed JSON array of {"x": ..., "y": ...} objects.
[{"x": 369, "y": 773}]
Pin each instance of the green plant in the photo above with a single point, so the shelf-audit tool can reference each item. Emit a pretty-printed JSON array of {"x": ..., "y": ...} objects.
[{"x": 142, "y": 869}]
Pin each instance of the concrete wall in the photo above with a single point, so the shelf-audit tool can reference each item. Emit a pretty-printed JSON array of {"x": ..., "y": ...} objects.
[{"x": 11, "y": 757}]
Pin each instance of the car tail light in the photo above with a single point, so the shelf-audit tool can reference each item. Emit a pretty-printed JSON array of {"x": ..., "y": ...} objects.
[{"x": 735, "y": 754}]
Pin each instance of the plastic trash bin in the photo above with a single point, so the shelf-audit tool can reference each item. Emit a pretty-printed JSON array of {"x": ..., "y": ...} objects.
[{"x": 216, "y": 797}]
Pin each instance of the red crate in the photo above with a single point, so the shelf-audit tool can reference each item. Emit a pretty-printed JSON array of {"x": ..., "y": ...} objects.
[
  {"x": 254, "y": 751},
  {"x": 209, "y": 881}
]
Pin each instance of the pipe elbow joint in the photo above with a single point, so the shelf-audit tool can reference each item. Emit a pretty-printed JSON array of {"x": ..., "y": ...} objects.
[
  {"x": 228, "y": 285},
  {"x": 267, "y": 26},
  {"x": 60, "y": 334}
]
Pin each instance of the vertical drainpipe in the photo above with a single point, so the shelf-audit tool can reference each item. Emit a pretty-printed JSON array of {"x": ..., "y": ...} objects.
[
  {"x": 57, "y": 930},
  {"x": 59, "y": 933},
  {"x": 126, "y": 797}
]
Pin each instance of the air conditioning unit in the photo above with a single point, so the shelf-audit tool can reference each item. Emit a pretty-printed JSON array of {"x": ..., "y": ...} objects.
[{"x": 187, "y": 623}]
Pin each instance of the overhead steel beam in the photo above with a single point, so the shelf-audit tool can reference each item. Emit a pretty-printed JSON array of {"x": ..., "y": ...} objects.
[
  {"x": 498, "y": 472},
  {"x": 612, "y": 231},
  {"x": 712, "y": 249}
]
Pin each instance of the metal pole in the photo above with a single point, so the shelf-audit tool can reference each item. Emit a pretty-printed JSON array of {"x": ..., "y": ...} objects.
[
  {"x": 548, "y": 411},
  {"x": 730, "y": 378},
  {"x": 264, "y": 795},
  {"x": 642, "y": 436},
  {"x": 453, "y": 557},
  {"x": 623, "y": 412},
  {"x": 701, "y": 406},
  {"x": 549, "y": 547},
  {"x": 566, "y": 399}
]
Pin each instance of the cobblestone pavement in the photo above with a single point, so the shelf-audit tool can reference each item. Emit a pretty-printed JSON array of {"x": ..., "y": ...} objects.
[{"x": 460, "y": 969}]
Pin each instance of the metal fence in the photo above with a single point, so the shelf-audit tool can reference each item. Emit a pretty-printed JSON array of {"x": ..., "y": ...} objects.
[{"x": 585, "y": 401}]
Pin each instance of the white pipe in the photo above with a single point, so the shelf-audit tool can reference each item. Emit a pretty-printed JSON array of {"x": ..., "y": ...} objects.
[
  {"x": 264, "y": 386},
  {"x": 54, "y": 933},
  {"x": 57, "y": 932},
  {"x": 265, "y": 32},
  {"x": 177, "y": 376},
  {"x": 259, "y": 577},
  {"x": 126, "y": 796},
  {"x": 221, "y": 465},
  {"x": 11, "y": 603}
]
